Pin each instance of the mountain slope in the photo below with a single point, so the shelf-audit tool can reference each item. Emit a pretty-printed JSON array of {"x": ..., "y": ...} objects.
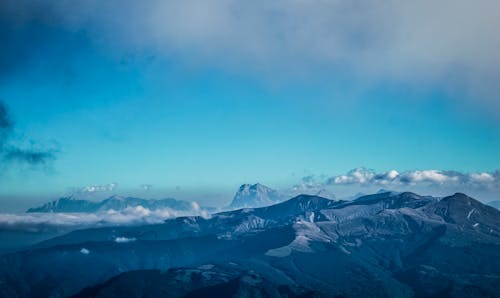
[
  {"x": 494, "y": 204},
  {"x": 383, "y": 245}
]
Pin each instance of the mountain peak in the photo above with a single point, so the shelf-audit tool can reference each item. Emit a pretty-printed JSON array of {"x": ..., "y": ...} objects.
[
  {"x": 458, "y": 197},
  {"x": 255, "y": 195}
]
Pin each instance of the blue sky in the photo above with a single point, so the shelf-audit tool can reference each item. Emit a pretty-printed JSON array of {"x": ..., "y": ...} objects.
[{"x": 195, "y": 113}]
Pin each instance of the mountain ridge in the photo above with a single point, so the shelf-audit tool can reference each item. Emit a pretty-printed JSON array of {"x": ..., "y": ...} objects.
[
  {"x": 385, "y": 245},
  {"x": 71, "y": 204}
]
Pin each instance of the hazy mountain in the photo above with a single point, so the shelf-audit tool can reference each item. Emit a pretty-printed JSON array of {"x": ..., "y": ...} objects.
[
  {"x": 71, "y": 204},
  {"x": 381, "y": 245},
  {"x": 325, "y": 193},
  {"x": 495, "y": 204},
  {"x": 256, "y": 195}
]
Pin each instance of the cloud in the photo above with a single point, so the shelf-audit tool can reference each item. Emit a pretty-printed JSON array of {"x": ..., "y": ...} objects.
[
  {"x": 32, "y": 154},
  {"x": 146, "y": 187},
  {"x": 310, "y": 182},
  {"x": 31, "y": 34},
  {"x": 200, "y": 211},
  {"x": 368, "y": 177},
  {"x": 6, "y": 124},
  {"x": 128, "y": 216},
  {"x": 453, "y": 43},
  {"x": 84, "y": 251}
]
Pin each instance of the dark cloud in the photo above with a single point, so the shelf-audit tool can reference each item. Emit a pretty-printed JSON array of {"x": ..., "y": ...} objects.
[
  {"x": 35, "y": 39},
  {"x": 452, "y": 43},
  {"x": 33, "y": 155},
  {"x": 5, "y": 121},
  {"x": 6, "y": 124},
  {"x": 30, "y": 156}
]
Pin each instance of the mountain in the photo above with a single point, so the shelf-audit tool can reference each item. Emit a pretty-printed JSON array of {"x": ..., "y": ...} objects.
[
  {"x": 325, "y": 193},
  {"x": 495, "y": 204},
  {"x": 207, "y": 280},
  {"x": 381, "y": 245},
  {"x": 256, "y": 195},
  {"x": 71, "y": 204}
]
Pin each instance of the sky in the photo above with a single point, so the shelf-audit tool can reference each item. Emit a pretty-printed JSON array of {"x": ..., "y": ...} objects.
[{"x": 190, "y": 99}]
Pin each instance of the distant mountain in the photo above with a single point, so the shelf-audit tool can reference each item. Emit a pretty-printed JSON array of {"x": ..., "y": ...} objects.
[
  {"x": 382, "y": 245},
  {"x": 71, "y": 204},
  {"x": 325, "y": 193},
  {"x": 256, "y": 195},
  {"x": 495, "y": 204}
]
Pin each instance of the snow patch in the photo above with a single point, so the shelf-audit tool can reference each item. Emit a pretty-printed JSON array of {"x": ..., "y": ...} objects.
[
  {"x": 124, "y": 239},
  {"x": 470, "y": 213},
  {"x": 206, "y": 267},
  {"x": 311, "y": 217}
]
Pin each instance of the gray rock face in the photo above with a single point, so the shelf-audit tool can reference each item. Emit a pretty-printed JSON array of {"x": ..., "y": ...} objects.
[
  {"x": 256, "y": 195},
  {"x": 382, "y": 245}
]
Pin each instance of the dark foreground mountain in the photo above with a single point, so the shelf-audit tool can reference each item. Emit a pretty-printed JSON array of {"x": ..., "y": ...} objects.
[
  {"x": 203, "y": 281},
  {"x": 382, "y": 245}
]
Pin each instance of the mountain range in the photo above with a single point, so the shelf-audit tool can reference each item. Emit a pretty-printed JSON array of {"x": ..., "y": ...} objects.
[
  {"x": 247, "y": 196},
  {"x": 382, "y": 245},
  {"x": 72, "y": 204}
]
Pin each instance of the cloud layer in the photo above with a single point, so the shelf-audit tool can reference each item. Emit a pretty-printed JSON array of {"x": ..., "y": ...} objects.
[
  {"x": 451, "y": 43},
  {"x": 128, "y": 216},
  {"x": 450, "y": 179}
]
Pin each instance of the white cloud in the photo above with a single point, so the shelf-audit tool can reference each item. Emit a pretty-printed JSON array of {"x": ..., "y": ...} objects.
[
  {"x": 84, "y": 251},
  {"x": 355, "y": 176},
  {"x": 482, "y": 177},
  {"x": 99, "y": 188},
  {"x": 368, "y": 177},
  {"x": 197, "y": 208},
  {"x": 90, "y": 190},
  {"x": 146, "y": 187},
  {"x": 127, "y": 216}
]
